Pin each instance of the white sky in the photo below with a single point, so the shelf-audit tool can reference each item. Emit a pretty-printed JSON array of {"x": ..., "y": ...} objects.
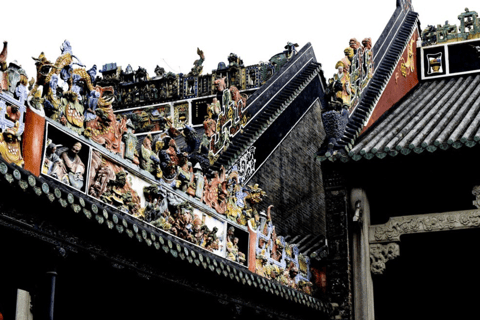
[{"x": 167, "y": 33}]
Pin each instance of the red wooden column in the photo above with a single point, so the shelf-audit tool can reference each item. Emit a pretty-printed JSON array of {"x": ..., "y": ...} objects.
[{"x": 33, "y": 137}]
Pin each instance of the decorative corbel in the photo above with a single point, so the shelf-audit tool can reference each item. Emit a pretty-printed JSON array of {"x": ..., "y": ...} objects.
[{"x": 380, "y": 254}]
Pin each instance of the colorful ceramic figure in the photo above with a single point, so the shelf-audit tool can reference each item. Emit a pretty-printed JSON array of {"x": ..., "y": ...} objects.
[
  {"x": 197, "y": 65},
  {"x": 260, "y": 264},
  {"x": 199, "y": 181},
  {"x": 109, "y": 183},
  {"x": 131, "y": 142},
  {"x": 10, "y": 149},
  {"x": 185, "y": 174},
  {"x": 66, "y": 165},
  {"x": 215, "y": 192},
  {"x": 3, "y": 67},
  {"x": 167, "y": 164},
  {"x": 71, "y": 112},
  {"x": 148, "y": 157},
  {"x": 51, "y": 158},
  {"x": 344, "y": 79},
  {"x": 105, "y": 129},
  {"x": 233, "y": 252},
  {"x": 354, "y": 44}
]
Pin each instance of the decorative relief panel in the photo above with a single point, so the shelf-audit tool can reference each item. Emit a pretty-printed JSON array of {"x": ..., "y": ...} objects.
[
  {"x": 93, "y": 152},
  {"x": 246, "y": 165},
  {"x": 397, "y": 226},
  {"x": 344, "y": 90},
  {"x": 278, "y": 260},
  {"x": 380, "y": 254}
]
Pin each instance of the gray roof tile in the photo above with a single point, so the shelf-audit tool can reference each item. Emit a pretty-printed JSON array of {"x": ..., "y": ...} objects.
[{"x": 440, "y": 113}]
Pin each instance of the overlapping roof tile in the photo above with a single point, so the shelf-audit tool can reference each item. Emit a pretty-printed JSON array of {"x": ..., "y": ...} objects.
[{"x": 438, "y": 114}]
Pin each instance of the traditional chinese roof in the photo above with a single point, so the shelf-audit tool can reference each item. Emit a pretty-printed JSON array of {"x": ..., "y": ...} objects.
[
  {"x": 442, "y": 111},
  {"x": 271, "y": 102},
  {"x": 87, "y": 210},
  {"x": 387, "y": 53},
  {"x": 438, "y": 114}
]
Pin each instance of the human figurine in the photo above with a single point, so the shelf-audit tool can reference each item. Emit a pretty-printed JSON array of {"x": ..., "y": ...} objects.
[
  {"x": 141, "y": 94},
  {"x": 92, "y": 102},
  {"x": 211, "y": 240},
  {"x": 347, "y": 59},
  {"x": 344, "y": 79},
  {"x": 129, "y": 96},
  {"x": 368, "y": 57},
  {"x": 261, "y": 262},
  {"x": 291, "y": 273},
  {"x": 149, "y": 160},
  {"x": 121, "y": 95},
  {"x": 233, "y": 211},
  {"x": 131, "y": 142},
  {"x": 21, "y": 92},
  {"x": 136, "y": 94},
  {"x": 168, "y": 167},
  {"x": 354, "y": 44},
  {"x": 185, "y": 172},
  {"x": 51, "y": 158},
  {"x": 71, "y": 169},
  {"x": 199, "y": 181},
  {"x": 232, "y": 249},
  {"x": 214, "y": 109},
  {"x": 13, "y": 75},
  {"x": 52, "y": 103},
  {"x": 154, "y": 91},
  {"x": 120, "y": 194},
  {"x": 148, "y": 93},
  {"x": 163, "y": 93},
  {"x": 199, "y": 230},
  {"x": 152, "y": 211}
]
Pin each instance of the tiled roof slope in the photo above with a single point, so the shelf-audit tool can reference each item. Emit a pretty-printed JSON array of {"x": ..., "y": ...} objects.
[
  {"x": 271, "y": 101},
  {"x": 89, "y": 210},
  {"x": 438, "y": 114},
  {"x": 384, "y": 62}
]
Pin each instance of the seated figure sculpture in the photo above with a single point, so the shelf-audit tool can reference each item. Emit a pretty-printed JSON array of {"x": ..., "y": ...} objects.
[{"x": 71, "y": 168}]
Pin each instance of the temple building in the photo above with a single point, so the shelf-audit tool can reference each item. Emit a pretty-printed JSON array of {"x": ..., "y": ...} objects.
[
  {"x": 268, "y": 191},
  {"x": 398, "y": 174}
]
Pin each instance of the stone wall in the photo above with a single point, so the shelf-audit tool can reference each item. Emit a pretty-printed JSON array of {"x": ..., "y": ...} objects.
[{"x": 293, "y": 179}]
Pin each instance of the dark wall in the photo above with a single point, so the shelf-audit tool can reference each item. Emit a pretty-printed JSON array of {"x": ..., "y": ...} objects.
[
  {"x": 293, "y": 180},
  {"x": 417, "y": 183},
  {"x": 435, "y": 277}
]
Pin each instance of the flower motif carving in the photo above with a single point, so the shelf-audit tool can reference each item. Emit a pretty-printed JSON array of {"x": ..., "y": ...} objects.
[
  {"x": 380, "y": 254},
  {"x": 397, "y": 226}
]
